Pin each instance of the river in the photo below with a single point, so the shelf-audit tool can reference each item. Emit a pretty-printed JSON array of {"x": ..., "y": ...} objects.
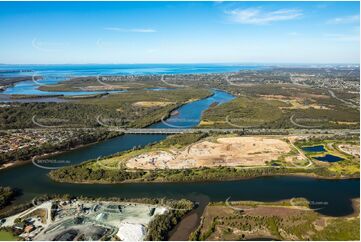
[{"x": 334, "y": 195}]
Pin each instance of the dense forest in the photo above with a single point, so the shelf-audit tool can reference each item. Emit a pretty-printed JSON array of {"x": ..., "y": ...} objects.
[
  {"x": 84, "y": 174},
  {"x": 120, "y": 110}
]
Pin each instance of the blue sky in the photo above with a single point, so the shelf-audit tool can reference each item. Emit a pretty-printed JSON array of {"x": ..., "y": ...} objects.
[{"x": 179, "y": 32}]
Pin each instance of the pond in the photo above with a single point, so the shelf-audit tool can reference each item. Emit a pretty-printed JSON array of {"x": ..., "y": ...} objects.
[
  {"x": 335, "y": 195},
  {"x": 328, "y": 158},
  {"x": 316, "y": 148}
]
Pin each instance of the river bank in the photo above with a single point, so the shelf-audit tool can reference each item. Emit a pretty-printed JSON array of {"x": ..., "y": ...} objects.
[
  {"x": 13, "y": 164},
  {"x": 34, "y": 181},
  {"x": 187, "y": 181},
  {"x": 152, "y": 123}
]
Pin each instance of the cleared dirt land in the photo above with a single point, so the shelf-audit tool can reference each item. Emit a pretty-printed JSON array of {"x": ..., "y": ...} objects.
[
  {"x": 151, "y": 104},
  {"x": 353, "y": 150},
  {"x": 228, "y": 151}
]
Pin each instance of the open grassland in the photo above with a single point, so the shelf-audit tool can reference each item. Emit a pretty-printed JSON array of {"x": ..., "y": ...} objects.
[
  {"x": 7, "y": 236},
  {"x": 274, "y": 221},
  {"x": 121, "y": 110},
  {"x": 196, "y": 157}
]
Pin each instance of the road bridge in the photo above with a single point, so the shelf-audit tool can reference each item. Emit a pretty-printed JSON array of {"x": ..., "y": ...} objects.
[{"x": 245, "y": 131}]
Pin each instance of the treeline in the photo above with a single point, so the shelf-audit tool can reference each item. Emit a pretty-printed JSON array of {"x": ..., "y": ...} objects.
[
  {"x": 81, "y": 137},
  {"x": 160, "y": 226},
  {"x": 85, "y": 173},
  {"x": 82, "y": 173},
  {"x": 180, "y": 140},
  {"x": 6, "y": 195}
]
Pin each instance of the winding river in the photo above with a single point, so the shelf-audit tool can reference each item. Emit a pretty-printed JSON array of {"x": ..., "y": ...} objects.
[{"x": 334, "y": 195}]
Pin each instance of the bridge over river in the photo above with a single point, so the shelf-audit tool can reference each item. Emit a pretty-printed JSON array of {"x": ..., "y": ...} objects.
[{"x": 245, "y": 131}]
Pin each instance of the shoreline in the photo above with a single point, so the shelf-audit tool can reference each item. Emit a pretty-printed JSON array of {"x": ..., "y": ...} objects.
[
  {"x": 13, "y": 164},
  {"x": 9, "y": 165},
  {"x": 302, "y": 175}
]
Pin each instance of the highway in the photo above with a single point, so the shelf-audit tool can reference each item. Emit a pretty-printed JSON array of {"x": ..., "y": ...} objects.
[{"x": 245, "y": 131}]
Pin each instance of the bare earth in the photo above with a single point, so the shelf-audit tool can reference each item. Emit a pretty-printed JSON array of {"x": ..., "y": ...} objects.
[
  {"x": 151, "y": 104},
  {"x": 350, "y": 149},
  {"x": 231, "y": 151}
]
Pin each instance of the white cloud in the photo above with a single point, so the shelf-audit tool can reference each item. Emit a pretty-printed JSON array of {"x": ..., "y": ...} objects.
[
  {"x": 345, "y": 20},
  {"x": 256, "y": 16},
  {"x": 145, "y": 30}
]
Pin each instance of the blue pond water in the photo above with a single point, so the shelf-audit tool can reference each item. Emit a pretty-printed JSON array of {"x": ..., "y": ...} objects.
[
  {"x": 33, "y": 181},
  {"x": 316, "y": 148},
  {"x": 329, "y": 158}
]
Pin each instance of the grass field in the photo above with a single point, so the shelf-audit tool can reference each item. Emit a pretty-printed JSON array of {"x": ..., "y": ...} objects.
[{"x": 7, "y": 236}]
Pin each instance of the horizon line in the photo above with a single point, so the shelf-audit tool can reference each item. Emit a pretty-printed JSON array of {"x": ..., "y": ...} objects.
[{"x": 195, "y": 63}]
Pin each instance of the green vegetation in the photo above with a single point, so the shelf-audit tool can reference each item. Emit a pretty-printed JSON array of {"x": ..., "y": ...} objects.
[
  {"x": 177, "y": 141},
  {"x": 112, "y": 110},
  {"x": 273, "y": 221},
  {"x": 180, "y": 140},
  {"x": 160, "y": 226},
  {"x": 91, "y": 172},
  {"x": 15, "y": 209},
  {"x": 6, "y": 195},
  {"x": 112, "y": 169},
  {"x": 92, "y": 83},
  {"x": 24, "y": 96},
  {"x": 349, "y": 166},
  {"x": 6, "y": 235},
  {"x": 243, "y": 112},
  {"x": 340, "y": 229},
  {"x": 272, "y": 106}
]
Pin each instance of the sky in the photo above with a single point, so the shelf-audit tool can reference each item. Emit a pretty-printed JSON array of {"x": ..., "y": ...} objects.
[{"x": 179, "y": 32}]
